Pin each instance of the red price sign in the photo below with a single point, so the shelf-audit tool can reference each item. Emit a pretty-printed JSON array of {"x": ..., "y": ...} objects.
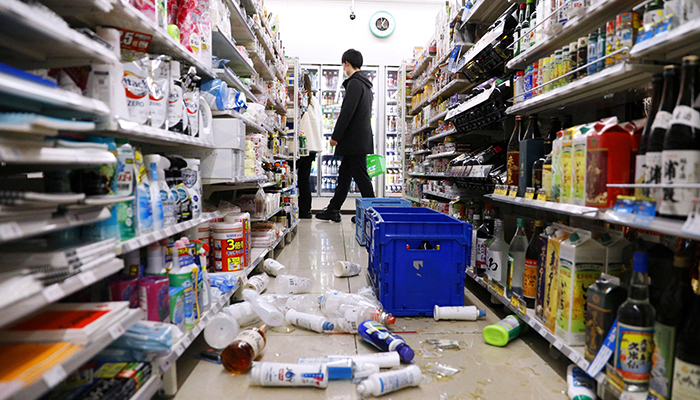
[{"x": 134, "y": 41}]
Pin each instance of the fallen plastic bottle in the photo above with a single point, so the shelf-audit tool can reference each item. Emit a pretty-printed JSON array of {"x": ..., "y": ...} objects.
[
  {"x": 349, "y": 317},
  {"x": 331, "y": 300},
  {"x": 266, "y": 311},
  {"x": 389, "y": 359},
  {"x": 306, "y": 303},
  {"x": 463, "y": 313},
  {"x": 278, "y": 374},
  {"x": 349, "y": 369},
  {"x": 221, "y": 330},
  {"x": 258, "y": 282},
  {"x": 310, "y": 322},
  {"x": 386, "y": 382},
  {"x": 273, "y": 267},
  {"x": 292, "y": 284},
  {"x": 378, "y": 336}
]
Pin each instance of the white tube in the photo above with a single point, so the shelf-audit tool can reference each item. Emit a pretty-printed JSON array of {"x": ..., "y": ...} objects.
[
  {"x": 243, "y": 313},
  {"x": 390, "y": 381},
  {"x": 258, "y": 282},
  {"x": 266, "y": 311},
  {"x": 221, "y": 330},
  {"x": 463, "y": 313},
  {"x": 311, "y": 322},
  {"x": 278, "y": 374},
  {"x": 292, "y": 284},
  {"x": 273, "y": 267},
  {"x": 384, "y": 360},
  {"x": 346, "y": 269},
  {"x": 364, "y": 369}
]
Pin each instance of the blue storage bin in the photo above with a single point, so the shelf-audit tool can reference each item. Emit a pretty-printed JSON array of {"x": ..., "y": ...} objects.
[
  {"x": 363, "y": 203},
  {"x": 409, "y": 281}
]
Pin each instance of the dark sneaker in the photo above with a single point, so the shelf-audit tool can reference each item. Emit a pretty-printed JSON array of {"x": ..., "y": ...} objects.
[
  {"x": 329, "y": 215},
  {"x": 352, "y": 219},
  {"x": 305, "y": 215}
]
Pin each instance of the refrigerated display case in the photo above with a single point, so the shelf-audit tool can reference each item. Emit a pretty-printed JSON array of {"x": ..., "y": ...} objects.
[
  {"x": 393, "y": 179},
  {"x": 327, "y": 80}
]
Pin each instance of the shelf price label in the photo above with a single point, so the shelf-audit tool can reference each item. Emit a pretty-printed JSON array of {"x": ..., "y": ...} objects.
[
  {"x": 522, "y": 307},
  {"x": 485, "y": 278},
  {"x": 497, "y": 288},
  {"x": 55, "y": 376},
  {"x": 542, "y": 195},
  {"x": 513, "y": 191},
  {"x": 530, "y": 193},
  {"x": 134, "y": 41}
]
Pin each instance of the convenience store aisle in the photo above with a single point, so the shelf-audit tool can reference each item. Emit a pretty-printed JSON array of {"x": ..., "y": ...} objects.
[{"x": 520, "y": 370}]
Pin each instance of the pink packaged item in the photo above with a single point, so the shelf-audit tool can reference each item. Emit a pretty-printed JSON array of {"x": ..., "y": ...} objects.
[
  {"x": 189, "y": 29},
  {"x": 147, "y": 7}
]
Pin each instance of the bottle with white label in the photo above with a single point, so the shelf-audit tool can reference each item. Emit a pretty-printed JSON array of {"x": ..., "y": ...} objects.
[
  {"x": 661, "y": 123},
  {"x": 266, "y": 311},
  {"x": 167, "y": 197},
  {"x": 278, "y": 374},
  {"x": 310, "y": 322},
  {"x": 463, "y": 313},
  {"x": 389, "y": 359},
  {"x": 243, "y": 313},
  {"x": 273, "y": 267},
  {"x": 390, "y": 381},
  {"x": 681, "y": 152},
  {"x": 292, "y": 284},
  {"x": 687, "y": 363},
  {"x": 176, "y": 104},
  {"x": 221, "y": 330},
  {"x": 238, "y": 356},
  {"x": 258, "y": 282},
  {"x": 192, "y": 180},
  {"x": 151, "y": 162},
  {"x": 497, "y": 255}
]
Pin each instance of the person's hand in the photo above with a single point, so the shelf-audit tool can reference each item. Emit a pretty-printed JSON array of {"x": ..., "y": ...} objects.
[{"x": 333, "y": 143}]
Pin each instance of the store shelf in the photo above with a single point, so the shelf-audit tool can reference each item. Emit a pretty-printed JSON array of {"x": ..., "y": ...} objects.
[
  {"x": 589, "y": 20},
  {"x": 423, "y": 128},
  {"x": 146, "y": 239},
  {"x": 224, "y": 48},
  {"x": 413, "y": 199},
  {"x": 442, "y": 135},
  {"x": 441, "y": 195},
  {"x": 146, "y": 134},
  {"x": 283, "y": 190},
  {"x": 237, "y": 182},
  {"x": 283, "y": 157},
  {"x": 573, "y": 353},
  {"x": 233, "y": 81},
  {"x": 420, "y": 86},
  {"x": 266, "y": 217},
  {"x": 671, "y": 45},
  {"x": 150, "y": 388},
  {"x": 421, "y": 67},
  {"x": 57, "y": 291},
  {"x": 486, "y": 12},
  {"x": 429, "y": 176},
  {"x": 18, "y": 152},
  {"x": 261, "y": 66},
  {"x": 23, "y": 95},
  {"x": 666, "y": 226},
  {"x": 261, "y": 39},
  {"x": 419, "y": 152},
  {"x": 125, "y": 16},
  {"x": 419, "y": 106},
  {"x": 240, "y": 30},
  {"x": 454, "y": 87},
  {"x": 615, "y": 79},
  {"x": 447, "y": 154},
  {"x": 60, "y": 372},
  {"x": 53, "y": 43},
  {"x": 251, "y": 126},
  {"x": 34, "y": 227}
]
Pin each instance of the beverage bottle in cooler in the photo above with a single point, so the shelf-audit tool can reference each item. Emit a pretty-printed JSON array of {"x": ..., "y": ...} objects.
[
  {"x": 635, "y": 330},
  {"x": 497, "y": 255},
  {"x": 686, "y": 368},
  {"x": 483, "y": 235},
  {"x": 531, "y": 259},
  {"x": 640, "y": 162},
  {"x": 680, "y": 158},
  {"x": 659, "y": 127},
  {"x": 531, "y": 149},
  {"x": 556, "y": 167},
  {"x": 514, "y": 152},
  {"x": 238, "y": 356},
  {"x": 546, "y": 175},
  {"x": 516, "y": 259},
  {"x": 670, "y": 313},
  {"x": 582, "y": 57}
]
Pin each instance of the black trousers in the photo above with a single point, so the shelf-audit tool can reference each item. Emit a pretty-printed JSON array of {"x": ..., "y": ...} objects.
[
  {"x": 352, "y": 167},
  {"x": 304, "y": 182}
]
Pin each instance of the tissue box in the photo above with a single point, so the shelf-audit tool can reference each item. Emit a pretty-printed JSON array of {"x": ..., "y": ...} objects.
[{"x": 229, "y": 133}]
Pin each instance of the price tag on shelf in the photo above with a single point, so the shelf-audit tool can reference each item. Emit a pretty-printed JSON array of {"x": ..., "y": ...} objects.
[
  {"x": 558, "y": 344},
  {"x": 530, "y": 193},
  {"x": 116, "y": 331},
  {"x": 542, "y": 331},
  {"x": 515, "y": 302},
  {"x": 187, "y": 340},
  {"x": 498, "y": 288},
  {"x": 55, "y": 376},
  {"x": 692, "y": 223},
  {"x": 485, "y": 278},
  {"x": 179, "y": 349},
  {"x": 165, "y": 365},
  {"x": 53, "y": 293},
  {"x": 87, "y": 278},
  {"x": 531, "y": 322},
  {"x": 522, "y": 308},
  {"x": 542, "y": 195},
  {"x": 134, "y": 41},
  {"x": 513, "y": 191},
  {"x": 10, "y": 230}
]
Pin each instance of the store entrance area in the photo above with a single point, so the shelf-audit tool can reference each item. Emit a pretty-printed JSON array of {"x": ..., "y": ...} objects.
[{"x": 521, "y": 370}]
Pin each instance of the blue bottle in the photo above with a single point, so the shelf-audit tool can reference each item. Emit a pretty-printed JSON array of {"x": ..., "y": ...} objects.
[{"x": 378, "y": 336}]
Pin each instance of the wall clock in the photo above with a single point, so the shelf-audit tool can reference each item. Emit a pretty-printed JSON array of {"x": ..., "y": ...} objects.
[{"x": 382, "y": 24}]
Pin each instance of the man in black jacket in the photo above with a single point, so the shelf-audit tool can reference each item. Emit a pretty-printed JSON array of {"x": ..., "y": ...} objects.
[{"x": 352, "y": 136}]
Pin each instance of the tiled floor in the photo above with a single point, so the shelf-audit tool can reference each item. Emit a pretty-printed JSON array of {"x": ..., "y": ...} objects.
[{"x": 521, "y": 370}]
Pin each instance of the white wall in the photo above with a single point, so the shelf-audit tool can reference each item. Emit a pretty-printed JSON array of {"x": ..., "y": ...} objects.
[{"x": 319, "y": 31}]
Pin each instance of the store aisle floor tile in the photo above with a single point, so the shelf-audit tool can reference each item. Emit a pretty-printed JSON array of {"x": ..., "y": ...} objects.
[{"x": 520, "y": 370}]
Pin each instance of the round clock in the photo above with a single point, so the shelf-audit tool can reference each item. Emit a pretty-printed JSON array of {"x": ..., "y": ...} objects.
[{"x": 382, "y": 24}]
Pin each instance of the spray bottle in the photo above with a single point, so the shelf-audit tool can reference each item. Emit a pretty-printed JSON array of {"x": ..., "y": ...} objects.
[
  {"x": 156, "y": 204},
  {"x": 167, "y": 197},
  {"x": 144, "y": 211},
  {"x": 170, "y": 180},
  {"x": 125, "y": 187},
  {"x": 193, "y": 182},
  {"x": 184, "y": 199},
  {"x": 377, "y": 335}
]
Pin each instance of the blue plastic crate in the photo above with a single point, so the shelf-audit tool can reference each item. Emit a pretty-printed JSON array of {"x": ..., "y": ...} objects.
[
  {"x": 363, "y": 203},
  {"x": 409, "y": 281}
]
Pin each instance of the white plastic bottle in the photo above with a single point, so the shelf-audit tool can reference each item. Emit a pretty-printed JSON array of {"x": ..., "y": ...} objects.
[
  {"x": 273, "y": 267},
  {"x": 278, "y": 374},
  {"x": 292, "y": 284},
  {"x": 192, "y": 180},
  {"x": 243, "y": 313},
  {"x": 310, "y": 322},
  {"x": 156, "y": 260},
  {"x": 266, "y": 311},
  {"x": 390, "y": 381},
  {"x": 464, "y": 313},
  {"x": 389, "y": 359},
  {"x": 581, "y": 386},
  {"x": 221, "y": 330},
  {"x": 151, "y": 161},
  {"x": 166, "y": 195},
  {"x": 258, "y": 282}
]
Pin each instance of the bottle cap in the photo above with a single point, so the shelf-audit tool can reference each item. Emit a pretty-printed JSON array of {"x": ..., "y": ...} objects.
[
  {"x": 574, "y": 237},
  {"x": 405, "y": 352},
  {"x": 641, "y": 262},
  {"x": 482, "y": 313},
  {"x": 390, "y": 320},
  {"x": 327, "y": 326},
  {"x": 340, "y": 369}
]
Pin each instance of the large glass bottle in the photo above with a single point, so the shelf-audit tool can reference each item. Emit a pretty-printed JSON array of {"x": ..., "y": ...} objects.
[
  {"x": 670, "y": 313},
  {"x": 483, "y": 235},
  {"x": 554, "y": 127},
  {"x": 497, "y": 255},
  {"x": 516, "y": 260},
  {"x": 531, "y": 149},
  {"x": 525, "y": 31},
  {"x": 518, "y": 31},
  {"x": 659, "y": 127},
  {"x": 686, "y": 368},
  {"x": 681, "y": 154},
  {"x": 635, "y": 330},
  {"x": 640, "y": 164},
  {"x": 530, "y": 271},
  {"x": 238, "y": 357},
  {"x": 514, "y": 151}
]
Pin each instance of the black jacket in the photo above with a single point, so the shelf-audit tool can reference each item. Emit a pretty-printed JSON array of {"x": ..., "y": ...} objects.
[{"x": 353, "y": 130}]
